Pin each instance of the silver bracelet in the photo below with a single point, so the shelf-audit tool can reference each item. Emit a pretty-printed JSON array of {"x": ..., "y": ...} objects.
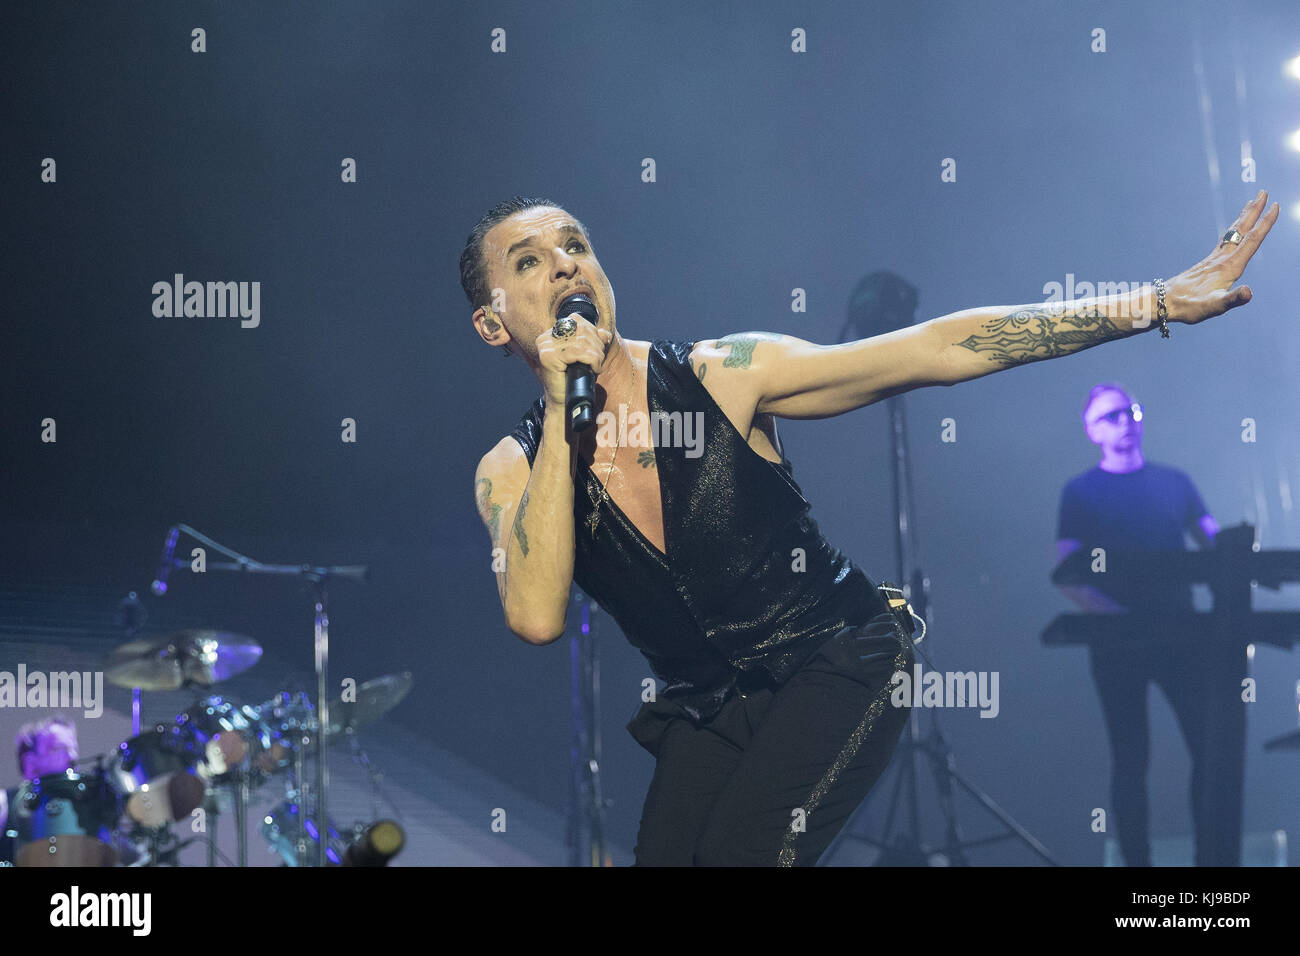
[{"x": 1162, "y": 313}]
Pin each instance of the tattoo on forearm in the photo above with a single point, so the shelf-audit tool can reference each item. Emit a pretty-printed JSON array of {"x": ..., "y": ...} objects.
[
  {"x": 519, "y": 524},
  {"x": 1042, "y": 332},
  {"x": 742, "y": 347},
  {"x": 489, "y": 509},
  {"x": 699, "y": 372},
  {"x": 646, "y": 459}
]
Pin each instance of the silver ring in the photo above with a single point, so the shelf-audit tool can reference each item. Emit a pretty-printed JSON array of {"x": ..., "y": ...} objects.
[
  {"x": 1232, "y": 236},
  {"x": 565, "y": 327}
]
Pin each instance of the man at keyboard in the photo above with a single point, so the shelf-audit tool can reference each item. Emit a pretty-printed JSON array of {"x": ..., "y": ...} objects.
[{"x": 1128, "y": 503}]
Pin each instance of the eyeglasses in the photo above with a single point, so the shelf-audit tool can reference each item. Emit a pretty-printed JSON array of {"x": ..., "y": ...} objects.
[{"x": 1134, "y": 412}]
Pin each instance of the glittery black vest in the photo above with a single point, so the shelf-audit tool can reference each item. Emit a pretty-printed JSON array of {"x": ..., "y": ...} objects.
[{"x": 748, "y": 581}]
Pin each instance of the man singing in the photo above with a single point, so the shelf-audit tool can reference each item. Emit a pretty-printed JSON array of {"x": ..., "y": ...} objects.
[{"x": 775, "y": 649}]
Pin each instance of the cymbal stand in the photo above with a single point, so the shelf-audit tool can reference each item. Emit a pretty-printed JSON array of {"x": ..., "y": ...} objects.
[
  {"x": 905, "y": 844},
  {"x": 586, "y": 801},
  {"x": 318, "y": 576}
]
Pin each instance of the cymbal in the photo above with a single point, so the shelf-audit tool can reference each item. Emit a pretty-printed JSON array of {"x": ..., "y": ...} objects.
[
  {"x": 374, "y": 699},
  {"x": 181, "y": 659},
  {"x": 292, "y": 717}
]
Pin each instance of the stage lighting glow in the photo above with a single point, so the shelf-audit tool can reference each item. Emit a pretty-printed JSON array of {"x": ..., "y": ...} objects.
[
  {"x": 1294, "y": 140},
  {"x": 1295, "y": 211},
  {"x": 1293, "y": 67}
]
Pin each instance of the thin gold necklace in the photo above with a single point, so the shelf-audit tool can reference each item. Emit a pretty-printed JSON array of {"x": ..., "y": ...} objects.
[{"x": 594, "y": 519}]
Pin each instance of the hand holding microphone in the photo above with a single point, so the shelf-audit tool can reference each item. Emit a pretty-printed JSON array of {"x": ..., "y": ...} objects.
[{"x": 571, "y": 361}]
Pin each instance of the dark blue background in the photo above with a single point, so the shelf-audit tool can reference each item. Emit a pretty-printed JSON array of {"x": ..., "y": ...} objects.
[{"x": 775, "y": 170}]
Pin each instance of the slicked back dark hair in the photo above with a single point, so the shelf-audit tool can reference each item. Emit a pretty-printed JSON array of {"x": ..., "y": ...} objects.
[{"x": 473, "y": 271}]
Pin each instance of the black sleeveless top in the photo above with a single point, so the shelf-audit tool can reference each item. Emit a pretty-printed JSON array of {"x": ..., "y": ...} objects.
[{"x": 748, "y": 582}]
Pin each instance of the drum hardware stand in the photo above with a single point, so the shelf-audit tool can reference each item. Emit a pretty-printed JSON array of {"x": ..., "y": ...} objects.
[
  {"x": 131, "y": 615},
  {"x": 297, "y": 792},
  {"x": 318, "y": 576},
  {"x": 375, "y": 778},
  {"x": 212, "y": 808},
  {"x": 240, "y": 800},
  {"x": 163, "y": 847},
  {"x": 884, "y": 302},
  {"x": 586, "y": 836},
  {"x": 212, "y": 812}
]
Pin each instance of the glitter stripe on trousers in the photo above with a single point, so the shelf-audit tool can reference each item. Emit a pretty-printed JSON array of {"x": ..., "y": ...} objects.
[{"x": 843, "y": 758}]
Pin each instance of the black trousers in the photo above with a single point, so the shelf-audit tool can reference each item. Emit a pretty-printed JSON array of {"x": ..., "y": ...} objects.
[
  {"x": 774, "y": 776},
  {"x": 1187, "y": 677}
]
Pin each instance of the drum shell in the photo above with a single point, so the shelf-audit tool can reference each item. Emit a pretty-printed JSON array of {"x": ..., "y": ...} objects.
[
  {"x": 153, "y": 756},
  {"x": 290, "y": 720},
  {"x": 233, "y": 735},
  {"x": 155, "y": 773}
]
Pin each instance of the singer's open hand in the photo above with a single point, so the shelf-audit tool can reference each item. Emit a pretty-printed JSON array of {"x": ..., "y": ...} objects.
[
  {"x": 1205, "y": 290},
  {"x": 587, "y": 344}
]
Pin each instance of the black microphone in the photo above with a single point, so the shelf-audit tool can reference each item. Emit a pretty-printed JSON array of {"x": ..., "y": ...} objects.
[
  {"x": 581, "y": 383},
  {"x": 159, "y": 586}
]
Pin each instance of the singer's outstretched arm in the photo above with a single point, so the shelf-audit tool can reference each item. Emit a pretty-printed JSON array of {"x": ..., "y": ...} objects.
[{"x": 792, "y": 378}]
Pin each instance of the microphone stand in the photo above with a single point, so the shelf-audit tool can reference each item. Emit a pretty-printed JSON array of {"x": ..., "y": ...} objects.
[
  {"x": 319, "y": 577},
  {"x": 130, "y": 616},
  {"x": 586, "y": 802},
  {"x": 893, "y": 300}
]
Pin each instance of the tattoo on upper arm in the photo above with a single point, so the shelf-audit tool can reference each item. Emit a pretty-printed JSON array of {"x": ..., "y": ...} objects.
[
  {"x": 1042, "y": 332},
  {"x": 742, "y": 347},
  {"x": 489, "y": 509},
  {"x": 519, "y": 527},
  {"x": 646, "y": 459}
]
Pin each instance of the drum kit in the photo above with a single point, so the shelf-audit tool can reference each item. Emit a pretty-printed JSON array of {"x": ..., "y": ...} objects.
[{"x": 117, "y": 809}]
